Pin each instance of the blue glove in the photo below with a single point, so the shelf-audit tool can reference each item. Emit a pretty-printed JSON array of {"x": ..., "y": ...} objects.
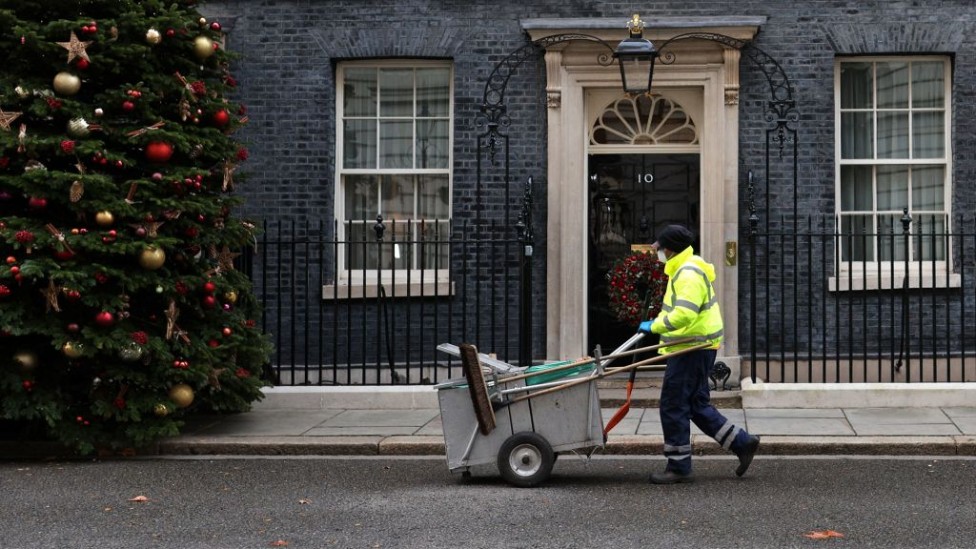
[{"x": 645, "y": 327}]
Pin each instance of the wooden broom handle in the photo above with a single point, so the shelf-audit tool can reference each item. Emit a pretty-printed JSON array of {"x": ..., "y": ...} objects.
[
  {"x": 589, "y": 360},
  {"x": 610, "y": 372}
]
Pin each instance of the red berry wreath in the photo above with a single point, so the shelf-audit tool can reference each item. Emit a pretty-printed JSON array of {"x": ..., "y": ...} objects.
[{"x": 635, "y": 282}]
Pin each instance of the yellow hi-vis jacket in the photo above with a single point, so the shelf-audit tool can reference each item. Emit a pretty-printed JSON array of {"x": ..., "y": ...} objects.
[{"x": 690, "y": 308}]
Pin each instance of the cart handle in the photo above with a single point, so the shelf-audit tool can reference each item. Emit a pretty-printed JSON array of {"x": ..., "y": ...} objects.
[
  {"x": 588, "y": 360},
  {"x": 612, "y": 371}
]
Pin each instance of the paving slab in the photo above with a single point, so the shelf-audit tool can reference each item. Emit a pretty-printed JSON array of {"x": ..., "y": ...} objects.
[
  {"x": 651, "y": 421},
  {"x": 382, "y": 418},
  {"x": 900, "y": 421},
  {"x": 794, "y": 413},
  {"x": 817, "y": 427},
  {"x": 894, "y": 416}
]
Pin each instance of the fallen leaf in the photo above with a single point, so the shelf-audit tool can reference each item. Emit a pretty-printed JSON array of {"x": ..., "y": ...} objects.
[
  {"x": 823, "y": 534},
  {"x": 279, "y": 543},
  {"x": 304, "y": 501},
  {"x": 139, "y": 499}
]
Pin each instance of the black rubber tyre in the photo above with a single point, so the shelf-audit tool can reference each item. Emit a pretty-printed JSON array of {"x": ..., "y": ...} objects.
[{"x": 525, "y": 459}]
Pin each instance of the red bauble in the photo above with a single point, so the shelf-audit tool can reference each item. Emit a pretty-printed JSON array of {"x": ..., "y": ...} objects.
[
  {"x": 74, "y": 328},
  {"x": 128, "y": 106},
  {"x": 209, "y": 302},
  {"x": 82, "y": 63},
  {"x": 37, "y": 203},
  {"x": 221, "y": 118},
  {"x": 159, "y": 151},
  {"x": 209, "y": 287},
  {"x": 72, "y": 295},
  {"x": 4, "y": 290},
  {"x": 63, "y": 255},
  {"x": 104, "y": 319}
]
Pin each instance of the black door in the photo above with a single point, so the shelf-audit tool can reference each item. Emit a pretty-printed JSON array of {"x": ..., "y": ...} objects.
[{"x": 631, "y": 197}]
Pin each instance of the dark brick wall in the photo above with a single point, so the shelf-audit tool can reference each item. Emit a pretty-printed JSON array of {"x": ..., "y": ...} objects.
[{"x": 290, "y": 49}]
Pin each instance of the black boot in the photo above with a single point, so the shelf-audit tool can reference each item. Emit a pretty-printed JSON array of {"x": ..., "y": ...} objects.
[
  {"x": 746, "y": 454},
  {"x": 669, "y": 477}
]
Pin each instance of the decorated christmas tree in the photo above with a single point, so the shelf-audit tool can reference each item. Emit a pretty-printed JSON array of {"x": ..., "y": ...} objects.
[{"x": 121, "y": 310}]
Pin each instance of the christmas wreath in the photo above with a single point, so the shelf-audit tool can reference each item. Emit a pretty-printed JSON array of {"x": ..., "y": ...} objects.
[{"x": 636, "y": 287}]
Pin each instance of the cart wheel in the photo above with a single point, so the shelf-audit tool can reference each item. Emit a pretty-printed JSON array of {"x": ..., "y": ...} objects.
[{"x": 525, "y": 459}]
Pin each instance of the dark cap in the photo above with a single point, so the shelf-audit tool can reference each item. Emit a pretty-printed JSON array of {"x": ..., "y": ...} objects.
[{"x": 675, "y": 238}]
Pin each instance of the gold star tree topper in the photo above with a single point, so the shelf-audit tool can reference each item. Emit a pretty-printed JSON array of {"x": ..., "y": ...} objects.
[{"x": 76, "y": 48}]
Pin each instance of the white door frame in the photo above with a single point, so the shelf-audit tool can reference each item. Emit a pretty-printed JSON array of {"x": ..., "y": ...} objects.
[{"x": 571, "y": 71}]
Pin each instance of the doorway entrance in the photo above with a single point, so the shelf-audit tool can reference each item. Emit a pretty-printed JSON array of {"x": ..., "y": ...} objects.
[{"x": 631, "y": 197}]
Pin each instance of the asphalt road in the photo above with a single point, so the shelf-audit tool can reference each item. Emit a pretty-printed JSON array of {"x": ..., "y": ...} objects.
[{"x": 417, "y": 503}]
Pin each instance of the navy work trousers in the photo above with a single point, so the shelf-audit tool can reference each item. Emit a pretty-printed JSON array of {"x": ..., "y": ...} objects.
[{"x": 685, "y": 398}]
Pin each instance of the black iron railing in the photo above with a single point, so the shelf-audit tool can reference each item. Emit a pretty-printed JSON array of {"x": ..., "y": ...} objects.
[
  {"x": 893, "y": 304},
  {"x": 371, "y": 306}
]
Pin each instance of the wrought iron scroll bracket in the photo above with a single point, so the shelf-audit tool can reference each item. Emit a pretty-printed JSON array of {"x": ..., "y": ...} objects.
[
  {"x": 781, "y": 114},
  {"x": 493, "y": 115}
]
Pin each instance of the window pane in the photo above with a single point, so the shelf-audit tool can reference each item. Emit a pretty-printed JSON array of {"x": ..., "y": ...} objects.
[
  {"x": 927, "y": 188},
  {"x": 359, "y": 92},
  {"x": 396, "y": 144},
  {"x": 433, "y": 92},
  {"x": 857, "y": 239},
  {"x": 855, "y": 86},
  {"x": 891, "y": 239},
  {"x": 359, "y": 144},
  {"x": 434, "y": 244},
  {"x": 396, "y": 92},
  {"x": 892, "y": 85},
  {"x": 892, "y": 188},
  {"x": 927, "y": 134},
  {"x": 893, "y": 134},
  {"x": 360, "y": 246},
  {"x": 855, "y": 188},
  {"x": 433, "y": 143},
  {"x": 857, "y": 135},
  {"x": 362, "y": 198},
  {"x": 434, "y": 199},
  {"x": 928, "y": 85},
  {"x": 928, "y": 241},
  {"x": 397, "y": 197}
]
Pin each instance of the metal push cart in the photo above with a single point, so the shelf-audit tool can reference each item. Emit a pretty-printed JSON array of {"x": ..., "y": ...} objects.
[{"x": 522, "y": 418}]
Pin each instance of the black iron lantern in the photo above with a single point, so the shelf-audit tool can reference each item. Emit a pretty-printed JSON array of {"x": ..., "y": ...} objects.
[{"x": 636, "y": 56}]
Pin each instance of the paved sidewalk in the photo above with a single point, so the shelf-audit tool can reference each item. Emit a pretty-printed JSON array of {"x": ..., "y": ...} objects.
[{"x": 785, "y": 431}]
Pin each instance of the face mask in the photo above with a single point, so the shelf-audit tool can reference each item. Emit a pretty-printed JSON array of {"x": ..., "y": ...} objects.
[{"x": 661, "y": 257}]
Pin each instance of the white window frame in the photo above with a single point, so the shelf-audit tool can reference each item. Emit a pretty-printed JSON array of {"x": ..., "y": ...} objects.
[
  {"x": 882, "y": 275},
  {"x": 355, "y": 283}
]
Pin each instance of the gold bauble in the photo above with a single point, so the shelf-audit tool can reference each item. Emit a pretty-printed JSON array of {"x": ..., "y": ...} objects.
[
  {"x": 26, "y": 359},
  {"x": 152, "y": 258},
  {"x": 66, "y": 83},
  {"x": 153, "y": 37},
  {"x": 78, "y": 127},
  {"x": 72, "y": 349},
  {"x": 203, "y": 47},
  {"x": 104, "y": 218},
  {"x": 230, "y": 296},
  {"x": 161, "y": 410},
  {"x": 181, "y": 395}
]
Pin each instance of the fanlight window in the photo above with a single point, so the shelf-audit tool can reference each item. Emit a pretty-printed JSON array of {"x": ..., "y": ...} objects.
[{"x": 644, "y": 120}]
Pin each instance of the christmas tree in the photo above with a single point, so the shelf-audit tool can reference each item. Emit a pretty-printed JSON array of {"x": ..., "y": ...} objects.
[{"x": 120, "y": 307}]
